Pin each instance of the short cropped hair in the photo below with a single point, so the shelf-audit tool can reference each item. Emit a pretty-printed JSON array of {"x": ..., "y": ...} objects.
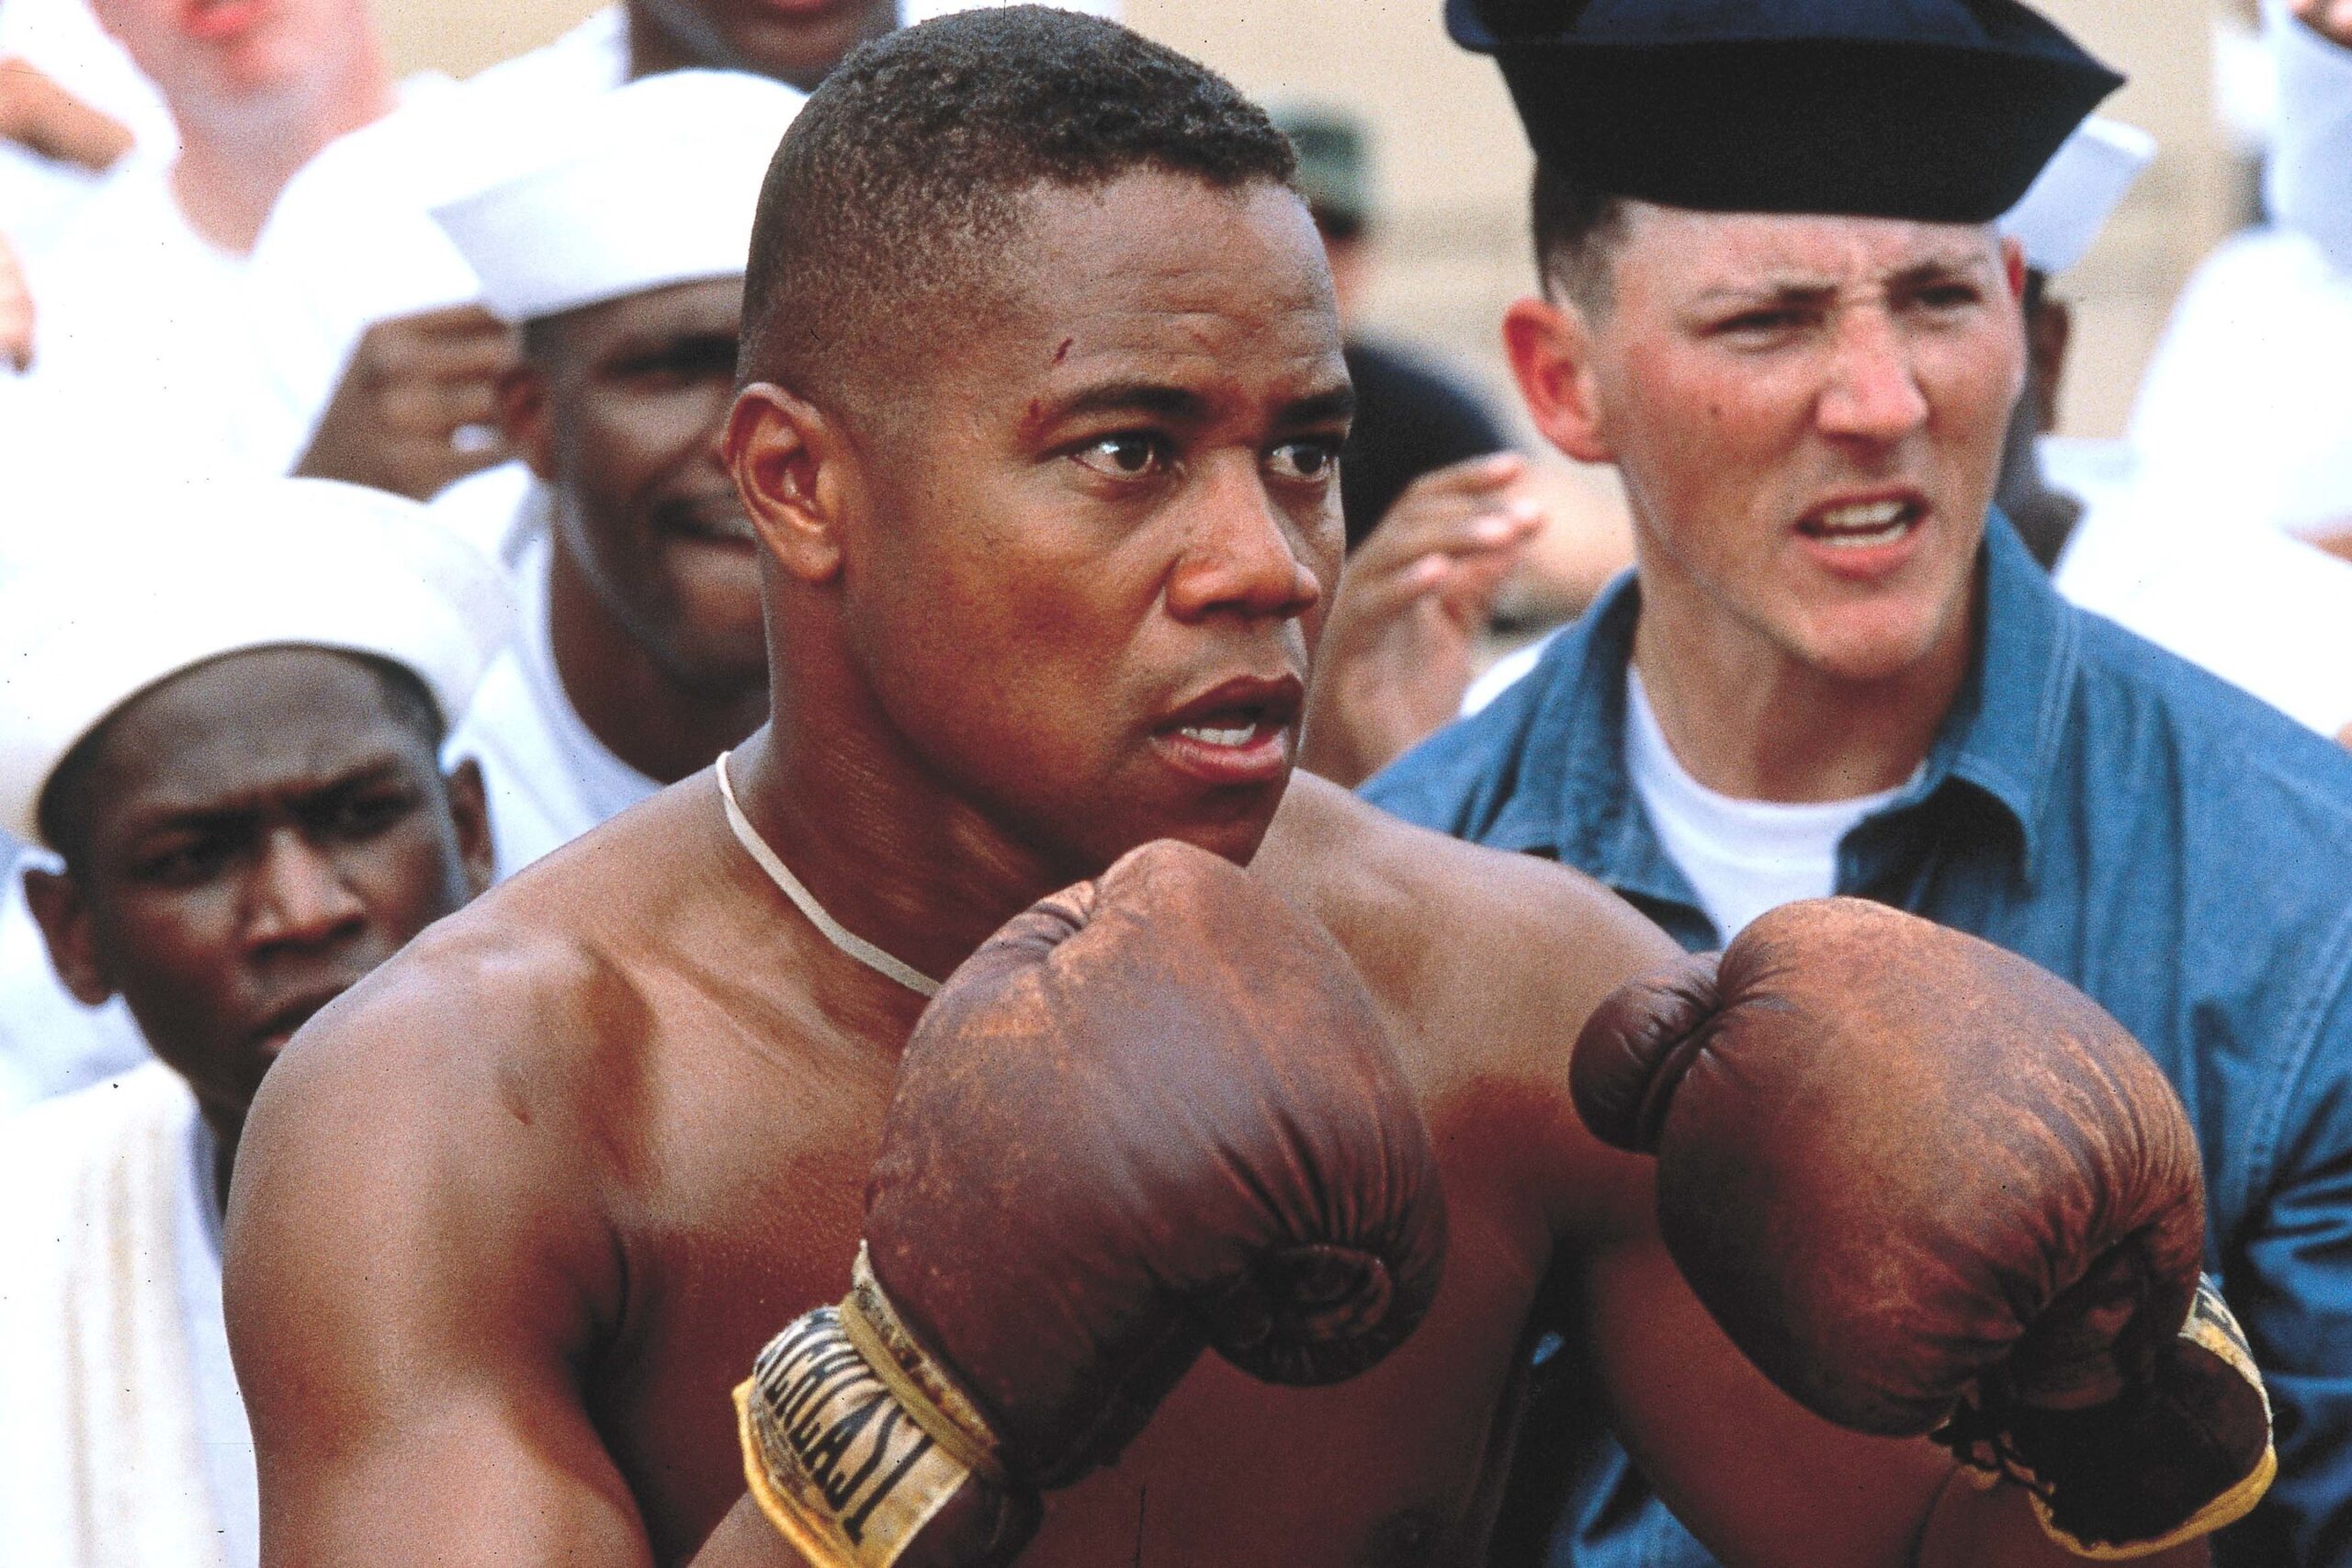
[
  {"x": 1577, "y": 227},
  {"x": 65, "y": 811},
  {"x": 902, "y": 180}
]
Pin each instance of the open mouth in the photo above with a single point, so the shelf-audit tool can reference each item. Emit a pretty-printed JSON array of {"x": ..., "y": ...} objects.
[
  {"x": 1242, "y": 727},
  {"x": 1858, "y": 526},
  {"x": 1238, "y": 733}
]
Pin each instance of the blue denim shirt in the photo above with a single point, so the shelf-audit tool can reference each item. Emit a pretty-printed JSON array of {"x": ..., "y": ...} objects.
[{"x": 2176, "y": 849}]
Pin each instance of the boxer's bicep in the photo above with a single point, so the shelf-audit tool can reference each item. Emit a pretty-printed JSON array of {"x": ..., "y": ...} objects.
[
  {"x": 404, "y": 1306},
  {"x": 1756, "y": 1477},
  {"x": 745, "y": 1538},
  {"x": 464, "y": 1480}
]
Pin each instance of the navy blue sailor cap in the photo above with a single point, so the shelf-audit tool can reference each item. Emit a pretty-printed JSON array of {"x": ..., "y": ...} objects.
[{"x": 1933, "y": 110}]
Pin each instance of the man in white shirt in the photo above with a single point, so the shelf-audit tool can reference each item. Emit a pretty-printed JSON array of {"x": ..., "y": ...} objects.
[
  {"x": 235, "y": 750},
  {"x": 2239, "y": 423},
  {"x": 642, "y": 654},
  {"x": 16, "y": 313},
  {"x": 145, "y": 292},
  {"x": 71, "y": 105},
  {"x": 2261, "y": 609},
  {"x": 2310, "y": 179},
  {"x": 371, "y": 329},
  {"x": 340, "y": 337}
]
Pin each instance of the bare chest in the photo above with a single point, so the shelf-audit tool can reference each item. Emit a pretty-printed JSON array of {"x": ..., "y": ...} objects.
[
  {"x": 747, "y": 1197},
  {"x": 1399, "y": 1468}
]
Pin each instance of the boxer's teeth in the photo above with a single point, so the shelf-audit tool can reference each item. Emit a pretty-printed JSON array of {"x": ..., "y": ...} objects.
[{"x": 1213, "y": 737}]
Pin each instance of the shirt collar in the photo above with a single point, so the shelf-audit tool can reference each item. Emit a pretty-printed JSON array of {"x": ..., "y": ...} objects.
[
  {"x": 1576, "y": 800},
  {"x": 2005, "y": 724}
]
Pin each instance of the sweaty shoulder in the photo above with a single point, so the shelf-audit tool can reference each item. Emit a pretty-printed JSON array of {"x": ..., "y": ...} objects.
[
  {"x": 444, "y": 1111},
  {"x": 1490, "y": 962},
  {"x": 522, "y": 1023},
  {"x": 514, "y": 990}
]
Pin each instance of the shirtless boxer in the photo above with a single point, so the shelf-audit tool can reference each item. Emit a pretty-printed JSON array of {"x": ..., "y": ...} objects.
[{"x": 1046, "y": 389}]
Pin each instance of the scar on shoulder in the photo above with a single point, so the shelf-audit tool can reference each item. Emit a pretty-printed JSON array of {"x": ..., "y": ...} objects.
[{"x": 1063, "y": 353}]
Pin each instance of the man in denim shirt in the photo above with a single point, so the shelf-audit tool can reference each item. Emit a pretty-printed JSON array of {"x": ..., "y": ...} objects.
[{"x": 1837, "y": 668}]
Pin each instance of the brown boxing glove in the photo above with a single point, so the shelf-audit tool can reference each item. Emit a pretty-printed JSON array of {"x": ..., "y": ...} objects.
[
  {"x": 1928, "y": 1186},
  {"x": 1156, "y": 1114}
]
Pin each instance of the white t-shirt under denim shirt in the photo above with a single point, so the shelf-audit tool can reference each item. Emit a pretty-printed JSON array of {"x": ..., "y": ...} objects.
[{"x": 1742, "y": 857}]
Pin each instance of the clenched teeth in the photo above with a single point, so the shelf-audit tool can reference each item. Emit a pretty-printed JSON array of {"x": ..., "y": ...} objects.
[
  {"x": 1877, "y": 514},
  {"x": 1874, "y": 522}
]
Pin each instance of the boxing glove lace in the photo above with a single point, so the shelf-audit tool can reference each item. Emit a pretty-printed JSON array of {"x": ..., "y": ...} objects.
[
  {"x": 1155, "y": 1113},
  {"x": 1927, "y": 1186}
]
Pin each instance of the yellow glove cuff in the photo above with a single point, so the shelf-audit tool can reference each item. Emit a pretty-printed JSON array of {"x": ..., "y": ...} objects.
[
  {"x": 2212, "y": 1327},
  {"x": 854, "y": 1440}
]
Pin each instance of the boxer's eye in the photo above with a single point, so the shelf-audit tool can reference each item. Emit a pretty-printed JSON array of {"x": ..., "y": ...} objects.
[{"x": 1130, "y": 455}]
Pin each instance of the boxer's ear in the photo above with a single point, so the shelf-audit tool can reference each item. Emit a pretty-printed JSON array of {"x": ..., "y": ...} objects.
[{"x": 786, "y": 456}]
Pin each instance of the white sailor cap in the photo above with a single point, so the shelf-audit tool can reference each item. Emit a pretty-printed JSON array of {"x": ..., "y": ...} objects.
[
  {"x": 652, "y": 185},
  {"x": 104, "y": 603},
  {"x": 2074, "y": 195}
]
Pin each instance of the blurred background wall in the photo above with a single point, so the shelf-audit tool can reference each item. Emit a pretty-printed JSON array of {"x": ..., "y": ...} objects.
[
  {"x": 1451, "y": 171},
  {"x": 1451, "y": 175}
]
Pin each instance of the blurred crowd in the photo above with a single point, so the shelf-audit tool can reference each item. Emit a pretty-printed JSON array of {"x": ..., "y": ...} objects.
[{"x": 295, "y": 355}]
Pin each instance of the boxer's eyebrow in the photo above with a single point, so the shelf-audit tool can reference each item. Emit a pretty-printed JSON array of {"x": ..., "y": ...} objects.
[
  {"x": 1156, "y": 398},
  {"x": 1334, "y": 405}
]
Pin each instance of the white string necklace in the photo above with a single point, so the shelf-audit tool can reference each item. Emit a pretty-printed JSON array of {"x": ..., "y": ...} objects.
[{"x": 841, "y": 936}]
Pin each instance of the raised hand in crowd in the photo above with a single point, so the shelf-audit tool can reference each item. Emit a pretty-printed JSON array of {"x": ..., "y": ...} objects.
[
  {"x": 2329, "y": 18},
  {"x": 16, "y": 313},
  {"x": 36, "y": 113},
  {"x": 416, "y": 408},
  {"x": 1395, "y": 655}
]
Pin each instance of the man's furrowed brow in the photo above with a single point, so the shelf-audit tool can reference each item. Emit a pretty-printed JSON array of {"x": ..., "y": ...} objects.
[
  {"x": 1157, "y": 398},
  {"x": 1959, "y": 265},
  {"x": 228, "y": 811},
  {"x": 1784, "y": 290}
]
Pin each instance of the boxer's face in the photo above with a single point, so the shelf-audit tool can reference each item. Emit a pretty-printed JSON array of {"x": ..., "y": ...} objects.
[
  {"x": 258, "y": 834},
  {"x": 1808, "y": 413},
  {"x": 619, "y": 407},
  {"x": 1102, "y": 533}
]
